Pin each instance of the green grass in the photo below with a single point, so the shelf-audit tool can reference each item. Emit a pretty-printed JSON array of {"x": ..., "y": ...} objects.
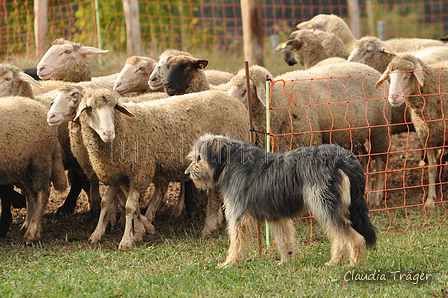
[{"x": 186, "y": 267}]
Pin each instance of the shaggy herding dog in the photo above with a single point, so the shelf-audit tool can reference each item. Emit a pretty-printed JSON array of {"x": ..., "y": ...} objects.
[{"x": 275, "y": 187}]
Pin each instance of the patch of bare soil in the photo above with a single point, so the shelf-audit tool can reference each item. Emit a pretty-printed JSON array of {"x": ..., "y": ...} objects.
[
  {"x": 77, "y": 227},
  {"x": 403, "y": 180}
]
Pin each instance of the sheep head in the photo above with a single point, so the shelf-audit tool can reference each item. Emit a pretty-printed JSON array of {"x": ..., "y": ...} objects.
[
  {"x": 97, "y": 110},
  {"x": 406, "y": 76},
  {"x": 369, "y": 50},
  {"x": 288, "y": 48},
  {"x": 11, "y": 77},
  {"x": 135, "y": 74},
  {"x": 61, "y": 56},
  {"x": 257, "y": 81},
  {"x": 63, "y": 107},
  {"x": 160, "y": 72},
  {"x": 181, "y": 71}
]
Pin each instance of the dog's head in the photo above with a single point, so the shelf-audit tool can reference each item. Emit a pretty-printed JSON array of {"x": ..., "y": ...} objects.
[{"x": 208, "y": 156}]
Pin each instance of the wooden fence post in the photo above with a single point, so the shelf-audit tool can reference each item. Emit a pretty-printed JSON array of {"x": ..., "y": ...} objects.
[
  {"x": 252, "y": 32},
  {"x": 353, "y": 14},
  {"x": 40, "y": 26},
  {"x": 133, "y": 33}
]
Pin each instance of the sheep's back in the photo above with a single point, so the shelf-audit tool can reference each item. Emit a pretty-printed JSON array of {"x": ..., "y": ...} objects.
[
  {"x": 154, "y": 143},
  {"x": 27, "y": 143},
  {"x": 337, "y": 98}
]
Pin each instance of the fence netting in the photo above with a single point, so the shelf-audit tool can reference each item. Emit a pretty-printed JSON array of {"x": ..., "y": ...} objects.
[
  {"x": 403, "y": 184},
  {"x": 204, "y": 24}
]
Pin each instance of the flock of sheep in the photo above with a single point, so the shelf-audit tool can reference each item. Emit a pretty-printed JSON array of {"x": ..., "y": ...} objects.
[{"x": 133, "y": 129}]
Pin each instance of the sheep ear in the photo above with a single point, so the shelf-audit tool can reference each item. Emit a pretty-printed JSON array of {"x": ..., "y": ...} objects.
[
  {"x": 81, "y": 108},
  {"x": 312, "y": 24},
  {"x": 281, "y": 47},
  {"x": 29, "y": 79},
  {"x": 201, "y": 64},
  {"x": 419, "y": 74},
  {"x": 383, "y": 78},
  {"x": 122, "y": 109},
  {"x": 387, "y": 51},
  {"x": 261, "y": 92},
  {"x": 85, "y": 50}
]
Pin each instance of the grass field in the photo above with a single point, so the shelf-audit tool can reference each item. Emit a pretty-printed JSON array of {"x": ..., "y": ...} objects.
[
  {"x": 177, "y": 263},
  {"x": 407, "y": 265}
]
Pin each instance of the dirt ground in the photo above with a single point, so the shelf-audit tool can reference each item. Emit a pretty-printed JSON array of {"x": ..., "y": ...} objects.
[{"x": 403, "y": 172}]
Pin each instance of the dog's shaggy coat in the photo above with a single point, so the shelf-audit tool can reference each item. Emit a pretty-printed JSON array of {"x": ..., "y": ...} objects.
[{"x": 275, "y": 187}]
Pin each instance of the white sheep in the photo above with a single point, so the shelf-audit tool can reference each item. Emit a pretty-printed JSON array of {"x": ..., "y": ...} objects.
[
  {"x": 332, "y": 24},
  {"x": 305, "y": 47},
  {"x": 67, "y": 61},
  {"x": 372, "y": 51},
  {"x": 343, "y": 107},
  {"x": 31, "y": 157},
  {"x": 425, "y": 92},
  {"x": 15, "y": 83},
  {"x": 160, "y": 72},
  {"x": 122, "y": 157},
  {"x": 134, "y": 76},
  {"x": 335, "y": 24}
]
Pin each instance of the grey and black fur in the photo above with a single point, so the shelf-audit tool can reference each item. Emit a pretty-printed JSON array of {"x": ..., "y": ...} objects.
[{"x": 275, "y": 187}]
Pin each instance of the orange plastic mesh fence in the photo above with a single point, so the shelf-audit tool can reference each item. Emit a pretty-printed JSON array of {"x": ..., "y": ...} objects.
[
  {"x": 203, "y": 24},
  {"x": 405, "y": 183}
]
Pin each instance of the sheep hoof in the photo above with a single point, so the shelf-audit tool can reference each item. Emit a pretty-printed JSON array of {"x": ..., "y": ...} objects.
[
  {"x": 94, "y": 238},
  {"x": 125, "y": 243}
]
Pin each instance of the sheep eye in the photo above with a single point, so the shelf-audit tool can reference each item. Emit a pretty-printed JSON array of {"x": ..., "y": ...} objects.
[
  {"x": 7, "y": 79},
  {"x": 67, "y": 51},
  {"x": 89, "y": 109},
  {"x": 141, "y": 69}
]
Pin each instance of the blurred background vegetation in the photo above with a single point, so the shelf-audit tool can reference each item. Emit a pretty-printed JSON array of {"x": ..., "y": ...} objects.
[{"x": 202, "y": 26}]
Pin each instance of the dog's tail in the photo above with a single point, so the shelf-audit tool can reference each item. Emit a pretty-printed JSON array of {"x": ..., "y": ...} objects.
[{"x": 359, "y": 212}]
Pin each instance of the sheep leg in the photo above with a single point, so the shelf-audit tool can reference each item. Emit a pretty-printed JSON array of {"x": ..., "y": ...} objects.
[
  {"x": 213, "y": 216},
  {"x": 76, "y": 182},
  {"x": 111, "y": 215},
  {"x": 106, "y": 202},
  {"x": 432, "y": 177},
  {"x": 33, "y": 232},
  {"x": 132, "y": 206},
  {"x": 155, "y": 200},
  {"x": 377, "y": 183},
  {"x": 177, "y": 211},
  {"x": 95, "y": 197},
  {"x": 31, "y": 202},
  {"x": 6, "y": 218}
]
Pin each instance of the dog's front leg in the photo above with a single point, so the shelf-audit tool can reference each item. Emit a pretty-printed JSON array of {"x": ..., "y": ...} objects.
[{"x": 240, "y": 232}]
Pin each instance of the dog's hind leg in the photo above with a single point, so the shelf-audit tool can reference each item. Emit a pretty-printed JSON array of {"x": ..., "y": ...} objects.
[
  {"x": 357, "y": 247},
  {"x": 283, "y": 231},
  {"x": 345, "y": 240},
  {"x": 240, "y": 232}
]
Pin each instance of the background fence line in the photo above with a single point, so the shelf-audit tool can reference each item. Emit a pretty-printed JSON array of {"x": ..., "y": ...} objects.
[{"x": 200, "y": 25}]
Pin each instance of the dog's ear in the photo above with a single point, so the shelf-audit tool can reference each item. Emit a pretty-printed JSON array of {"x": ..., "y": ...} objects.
[{"x": 217, "y": 151}]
